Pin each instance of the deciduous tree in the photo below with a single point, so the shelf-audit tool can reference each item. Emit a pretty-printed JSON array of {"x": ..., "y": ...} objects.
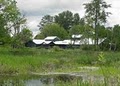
[
  {"x": 21, "y": 38},
  {"x": 47, "y": 19},
  {"x": 10, "y": 19},
  {"x": 65, "y": 19},
  {"x": 52, "y": 30},
  {"x": 96, "y": 15},
  {"x": 76, "y": 30}
]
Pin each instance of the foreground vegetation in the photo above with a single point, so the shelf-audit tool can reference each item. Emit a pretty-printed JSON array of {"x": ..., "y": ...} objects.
[{"x": 27, "y": 60}]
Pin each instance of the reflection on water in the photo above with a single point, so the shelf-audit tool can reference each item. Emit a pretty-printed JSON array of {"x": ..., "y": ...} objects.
[
  {"x": 25, "y": 81},
  {"x": 46, "y": 80}
]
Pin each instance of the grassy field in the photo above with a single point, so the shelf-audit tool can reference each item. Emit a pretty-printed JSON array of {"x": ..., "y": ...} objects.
[{"x": 27, "y": 60}]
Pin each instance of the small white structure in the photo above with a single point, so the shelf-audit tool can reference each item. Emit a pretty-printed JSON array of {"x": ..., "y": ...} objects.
[{"x": 77, "y": 36}]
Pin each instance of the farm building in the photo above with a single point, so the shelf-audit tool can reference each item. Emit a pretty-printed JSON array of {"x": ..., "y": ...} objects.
[
  {"x": 51, "y": 41},
  {"x": 47, "y": 42}
]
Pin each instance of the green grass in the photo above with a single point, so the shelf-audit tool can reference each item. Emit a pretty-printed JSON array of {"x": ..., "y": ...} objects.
[{"x": 27, "y": 60}]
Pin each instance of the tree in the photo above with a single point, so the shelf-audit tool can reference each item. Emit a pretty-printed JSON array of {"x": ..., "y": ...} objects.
[
  {"x": 4, "y": 35},
  {"x": 3, "y": 31},
  {"x": 25, "y": 35},
  {"x": 76, "y": 29},
  {"x": 115, "y": 40},
  {"x": 102, "y": 32},
  {"x": 96, "y": 15},
  {"x": 52, "y": 30},
  {"x": 47, "y": 19},
  {"x": 10, "y": 18},
  {"x": 82, "y": 21},
  {"x": 87, "y": 37},
  {"x": 88, "y": 32},
  {"x": 21, "y": 38},
  {"x": 65, "y": 19},
  {"x": 76, "y": 19}
]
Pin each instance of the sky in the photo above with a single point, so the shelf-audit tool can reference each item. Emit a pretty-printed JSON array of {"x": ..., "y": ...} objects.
[{"x": 34, "y": 10}]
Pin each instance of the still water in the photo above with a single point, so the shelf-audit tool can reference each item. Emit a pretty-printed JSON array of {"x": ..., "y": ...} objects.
[
  {"x": 47, "y": 80},
  {"x": 26, "y": 81}
]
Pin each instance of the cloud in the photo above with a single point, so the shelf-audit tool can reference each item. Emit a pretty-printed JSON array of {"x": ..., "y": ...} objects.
[
  {"x": 114, "y": 18},
  {"x": 36, "y": 9},
  {"x": 32, "y": 23},
  {"x": 42, "y": 7}
]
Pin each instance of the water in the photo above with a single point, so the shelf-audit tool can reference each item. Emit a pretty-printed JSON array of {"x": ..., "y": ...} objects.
[
  {"x": 25, "y": 81},
  {"x": 48, "y": 80},
  {"x": 45, "y": 80}
]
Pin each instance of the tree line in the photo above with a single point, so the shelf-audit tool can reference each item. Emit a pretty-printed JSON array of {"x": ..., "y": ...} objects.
[
  {"x": 13, "y": 29},
  {"x": 92, "y": 25}
]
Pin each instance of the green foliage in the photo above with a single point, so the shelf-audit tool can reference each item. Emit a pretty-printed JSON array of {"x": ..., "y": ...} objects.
[
  {"x": 11, "y": 15},
  {"x": 53, "y": 30},
  {"x": 10, "y": 20},
  {"x": 113, "y": 38},
  {"x": 102, "y": 32},
  {"x": 96, "y": 15},
  {"x": 88, "y": 32},
  {"x": 4, "y": 35},
  {"x": 65, "y": 19},
  {"x": 20, "y": 39},
  {"x": 101, "y": 58},
  {"x": 95, "y": 11},
  {"x": 76, "y": 19},
  {"x": 76, "y": 29},
  {"x": 47, "y": 19},
  {"x": 116, "y": 36},
  {"x": 4, "y": 32},
  {"x": 25, "y": 35}
]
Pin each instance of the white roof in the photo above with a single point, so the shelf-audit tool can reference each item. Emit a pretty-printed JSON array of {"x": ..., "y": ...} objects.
[
  {"x": 89, "y": 41},
  {"x": 62, "y": 43},
  {"x": 38, "y": 41},
  {"x": 50, "y": 38},
  {"x": 47, "y": 42},
  {"x": 67, "y": 42},
  {"x": 77, "y": 36}
]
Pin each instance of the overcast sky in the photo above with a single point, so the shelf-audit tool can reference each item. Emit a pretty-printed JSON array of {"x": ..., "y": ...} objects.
[{"x": 34, "y": 10}]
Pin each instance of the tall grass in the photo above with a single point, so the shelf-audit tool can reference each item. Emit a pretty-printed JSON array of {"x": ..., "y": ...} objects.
[{"x": 27, "y": 60}]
